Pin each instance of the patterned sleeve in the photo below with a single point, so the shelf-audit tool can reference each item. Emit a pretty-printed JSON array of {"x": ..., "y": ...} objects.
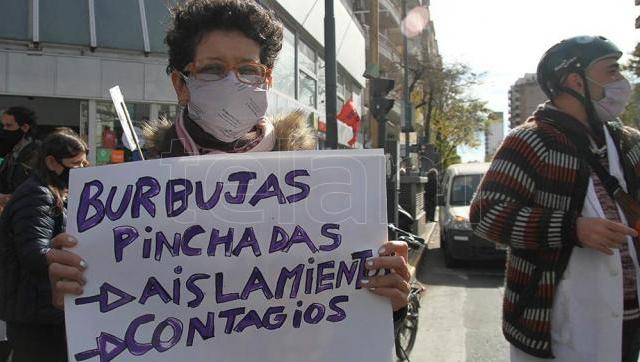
[{"x": 519, "y": 201}]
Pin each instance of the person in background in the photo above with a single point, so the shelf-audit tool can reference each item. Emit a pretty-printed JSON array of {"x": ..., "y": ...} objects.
[
  {"x": 18, "y": 132},
  {"x": 109, "y": 138},
  {"x": 431, "y": 195},
  {"x": 572, "y": 274},
  {"x": 35, "y": 214}
]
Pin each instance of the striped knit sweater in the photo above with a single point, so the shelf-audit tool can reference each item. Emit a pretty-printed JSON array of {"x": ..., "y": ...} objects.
[{"x": 529, "y": 200}]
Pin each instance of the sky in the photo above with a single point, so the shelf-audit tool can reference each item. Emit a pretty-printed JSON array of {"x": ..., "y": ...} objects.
[{"x": 504, "y": 39}]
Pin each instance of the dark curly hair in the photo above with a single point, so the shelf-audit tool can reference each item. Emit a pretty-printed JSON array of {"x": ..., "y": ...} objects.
[
  {"x": 24, "y": 115},
  {"x": 195, "y": 18}
]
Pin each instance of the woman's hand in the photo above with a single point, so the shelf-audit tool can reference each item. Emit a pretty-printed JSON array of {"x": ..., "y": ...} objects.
[
  {"x": 66, "y": 269},
  {"x": 395, "y": 285}
]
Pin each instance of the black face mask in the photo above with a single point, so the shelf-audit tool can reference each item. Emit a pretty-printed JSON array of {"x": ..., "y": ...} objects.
[{"x": 8, "y": 140}]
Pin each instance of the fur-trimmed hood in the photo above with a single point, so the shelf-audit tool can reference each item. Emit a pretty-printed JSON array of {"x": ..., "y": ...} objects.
[{"x": 292, "y": 134}]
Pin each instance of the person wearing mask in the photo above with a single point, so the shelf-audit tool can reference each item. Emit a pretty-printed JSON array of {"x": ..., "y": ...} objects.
[
  {"x": 431, "y": 195},
  {"x": 221, "y": 57},
  {"x": 35, "y": 215},
  {"x": 17, "y": 134},
  {"x": 558, "y": 193}
]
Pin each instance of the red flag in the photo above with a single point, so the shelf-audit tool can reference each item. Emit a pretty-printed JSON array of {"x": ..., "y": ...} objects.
[{"x": 349, "y": 115}]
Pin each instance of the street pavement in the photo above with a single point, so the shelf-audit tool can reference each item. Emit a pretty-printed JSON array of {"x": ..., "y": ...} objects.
[{"x": 461, "y": 310}]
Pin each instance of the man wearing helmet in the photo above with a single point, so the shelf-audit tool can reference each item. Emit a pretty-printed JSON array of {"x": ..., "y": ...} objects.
[{"x": 558, "y": 193}]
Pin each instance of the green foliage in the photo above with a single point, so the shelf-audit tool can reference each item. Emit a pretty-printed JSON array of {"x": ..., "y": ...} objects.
[
  {"x": 631, "y": 115},
  {"x": 634, "y": 63},
  {"x": 455, "y": 116}
]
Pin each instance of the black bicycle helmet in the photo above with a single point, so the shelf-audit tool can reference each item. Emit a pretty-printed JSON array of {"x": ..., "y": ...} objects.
[
  {"x": 573, "y": 55},
  {"x": 576, "y": 55}
]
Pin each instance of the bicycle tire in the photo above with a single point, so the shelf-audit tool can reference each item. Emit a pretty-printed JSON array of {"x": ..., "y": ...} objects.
[{"x": 406, "y": 335}]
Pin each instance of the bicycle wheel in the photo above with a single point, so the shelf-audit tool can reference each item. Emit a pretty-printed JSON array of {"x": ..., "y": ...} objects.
[{"x": 406, "y": 335}]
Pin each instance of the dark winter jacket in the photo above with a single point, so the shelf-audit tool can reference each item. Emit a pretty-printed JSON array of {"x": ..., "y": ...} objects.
[
  {"x": 17, "y": 166},
  {"x": 28, "y": 223}
]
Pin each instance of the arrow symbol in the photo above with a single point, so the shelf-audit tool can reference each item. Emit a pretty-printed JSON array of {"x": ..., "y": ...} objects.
[
  {"x": 103, "y": 341},
  {"x": 103, "y": 298}
]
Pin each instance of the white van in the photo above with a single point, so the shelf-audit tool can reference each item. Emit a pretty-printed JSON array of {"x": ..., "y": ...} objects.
[{"x": 457, "y": 242}]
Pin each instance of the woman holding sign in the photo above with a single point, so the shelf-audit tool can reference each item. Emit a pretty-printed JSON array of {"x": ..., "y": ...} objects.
[
  {"x": 34, "y": 215},
  {"x": 221, "y": 57}
]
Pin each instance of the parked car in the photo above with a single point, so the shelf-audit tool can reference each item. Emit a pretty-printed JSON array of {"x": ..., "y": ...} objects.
[{"x": 457, "y": 241}]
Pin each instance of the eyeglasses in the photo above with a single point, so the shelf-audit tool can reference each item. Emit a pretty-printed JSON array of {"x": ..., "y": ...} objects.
[
  {"x": 248, "y": 73},
  {"x": 77, "y": 164}
]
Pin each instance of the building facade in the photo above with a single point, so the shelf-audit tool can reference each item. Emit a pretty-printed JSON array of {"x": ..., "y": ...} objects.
[
  {"x": 493, "y": 135},
  {"x": 423, "y": 52},
  {"x": 300, "y": 70},
  {"x": 60, "y": 58},
  {"x": 524, "y": 97}
]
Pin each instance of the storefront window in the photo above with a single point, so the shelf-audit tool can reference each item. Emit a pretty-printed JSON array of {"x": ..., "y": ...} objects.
[
  {"x": 306, "y": 58},
  {"x": 341, "y": 91},
  {"x": 322, "y": 92},
  {"x": 357, "y": 100},
  {"x": 284, "y": 74},
  {"x": 84, "y": 120},
  {"x": 168, "y": 111},
  {"x": 139, "y": 113},
  {"x": 307, "y": 90},
  {"x": 110, "y": 147},
  {"x": 341, "y": 85}
]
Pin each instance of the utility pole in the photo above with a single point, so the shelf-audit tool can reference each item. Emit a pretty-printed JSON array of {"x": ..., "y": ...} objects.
[
  {"x": 378, "y": 129},
  {"x": 379, "y": 106},
  {"x": 405, "y": 85},
  {"x": 331, "y": 74}
]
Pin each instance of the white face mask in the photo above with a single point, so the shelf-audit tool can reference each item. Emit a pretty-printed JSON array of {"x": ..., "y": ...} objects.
[
  {"x": 226, "y": 109},
  {"x": 615, "y": 100}
]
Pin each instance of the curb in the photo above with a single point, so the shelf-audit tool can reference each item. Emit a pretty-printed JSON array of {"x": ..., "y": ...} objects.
[
  {"x": 416, "y": 259},
  {"x": 430, "y": 229}
]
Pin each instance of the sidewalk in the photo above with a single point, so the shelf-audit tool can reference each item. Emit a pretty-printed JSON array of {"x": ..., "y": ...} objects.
[
  {"x": 415, "y": 256},
  {"x": 430, "y": 228}
]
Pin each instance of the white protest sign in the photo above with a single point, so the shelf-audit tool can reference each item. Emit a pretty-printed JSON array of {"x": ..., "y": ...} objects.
[
  {"x": 125, "y": 119},
  {"x": 230, "y": 258},
  {"x": 132, "y": 146}
]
